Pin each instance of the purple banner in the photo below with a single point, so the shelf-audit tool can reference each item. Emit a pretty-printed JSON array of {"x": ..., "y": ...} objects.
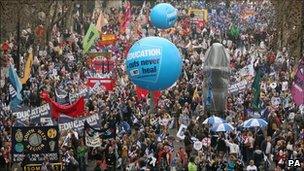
[{"x": 297, "y": 88}]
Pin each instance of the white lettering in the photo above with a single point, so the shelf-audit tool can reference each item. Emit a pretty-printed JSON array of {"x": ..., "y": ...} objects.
[{"x": 143, "y": 53}]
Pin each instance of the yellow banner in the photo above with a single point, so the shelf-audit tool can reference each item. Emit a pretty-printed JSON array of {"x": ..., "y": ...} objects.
[
  {"x": 199, "y": 14},
  {"x": 27, "y": 69}
]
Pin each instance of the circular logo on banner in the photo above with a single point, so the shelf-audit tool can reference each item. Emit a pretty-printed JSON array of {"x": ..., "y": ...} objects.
[
  {"x": 35, "y": 139},
  {"x": 19, "y": 148},
  {"x": 197, "y": 145},
  {"x": 52, "y": 133},
  {"x": 18, "y": 135}
]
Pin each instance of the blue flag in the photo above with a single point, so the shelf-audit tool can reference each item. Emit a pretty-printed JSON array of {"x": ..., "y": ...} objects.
[{"x": 15, "y": 88}]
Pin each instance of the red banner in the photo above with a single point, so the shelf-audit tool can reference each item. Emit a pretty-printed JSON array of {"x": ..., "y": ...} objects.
[
  {"x": 74, "y": 110},
  {"x": 107, "y": 83}
]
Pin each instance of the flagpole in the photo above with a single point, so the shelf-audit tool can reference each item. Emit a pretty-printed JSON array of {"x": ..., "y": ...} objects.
[{"x": 152, "y": 111}]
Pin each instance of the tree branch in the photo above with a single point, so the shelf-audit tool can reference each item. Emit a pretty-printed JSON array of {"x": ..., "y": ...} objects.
[{"x": 63, "y": 15}]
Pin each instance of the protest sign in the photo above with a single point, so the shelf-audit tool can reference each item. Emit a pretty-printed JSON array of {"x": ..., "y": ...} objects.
[
  {"x": 248, "y": 70},
  {"x": 199, "y": 14},
  {"x": 74, "y": 96},
  {"x": 181, "y": 131},
  {"x": 238, "y": 87},
  {"x": 106, "y": 83},
  {"x": 35, "y": 142},
  {"x": 32, "y": 114},
  {"x": 107, "y": 39},
  {"x": 37, "y": 167},
  {"x": 92, "y": 141},
  {"x": 67, "y": 123}
]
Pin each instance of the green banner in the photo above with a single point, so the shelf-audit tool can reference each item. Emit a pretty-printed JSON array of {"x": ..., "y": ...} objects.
[{"x": 89, "y": 38}]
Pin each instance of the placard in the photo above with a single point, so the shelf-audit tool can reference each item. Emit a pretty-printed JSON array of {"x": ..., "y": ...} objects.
[
  {"x": 181, "y": 131},
  {"x": 199, "y": 14},
  {"x": 37, "y": 167},
  {"x": 106, "y": 83},
  {"x": 35, "y": 142},
  {"x": 107, "y": 39}
]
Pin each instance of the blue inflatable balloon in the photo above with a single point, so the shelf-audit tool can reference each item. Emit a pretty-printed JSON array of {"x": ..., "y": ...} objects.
[
  {"x": 154, "y": 63},
  {"x": 163, "y": 15}
]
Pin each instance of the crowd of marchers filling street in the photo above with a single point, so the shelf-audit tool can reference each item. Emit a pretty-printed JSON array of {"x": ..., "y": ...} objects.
[{"x": 74, "y": 107}]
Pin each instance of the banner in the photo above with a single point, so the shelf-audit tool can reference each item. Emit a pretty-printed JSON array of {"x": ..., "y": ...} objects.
[
  {"x": 35, "y": 142},
  {"x": 68, "y": 123},
  {"x": 297, "y": 89},
  {"x": 37, "y": 167},
  {"x": 27, "y": 69},
  {"x": 33, "y": 114},
  {"x": 126, "y": 18},
  {"x": 92, "y": 141},
  {"x": 106, "y": 83},
  {"x": 107, "y": 39},
  {"x": 15, "y": 88},
  {"x": 89, "y": 38},
  {"x": 199, "y": 14},
  {"x": 74, "y": 110}
]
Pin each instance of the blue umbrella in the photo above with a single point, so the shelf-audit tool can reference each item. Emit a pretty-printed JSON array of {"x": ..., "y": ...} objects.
[
  {"x": 213, "y": 119},
  {"x": 254, "y": 122},
  {"x": 222, "y": 127}
]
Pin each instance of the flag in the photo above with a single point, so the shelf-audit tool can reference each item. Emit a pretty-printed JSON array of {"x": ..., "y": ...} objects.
[
  {"x": 126, "y": 17},
  {"x": 27, "y": 69},
  {"x": 297, "y": 88},
  {"x": 15, "y": 88},
  {"x": 143, "y": 93},
  {"x": 102, "y": 21},
  {"x": 74, "y": 110},
  {"x": 89, "y": 38},
  {"x": 256, "y": 90}
]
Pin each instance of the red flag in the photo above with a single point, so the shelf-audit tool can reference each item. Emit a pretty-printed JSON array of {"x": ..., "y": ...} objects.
[
  {"x": 143, "y": 93},
  {"x": 74, "y": 110},
  {"x": 127, "y": 17}
]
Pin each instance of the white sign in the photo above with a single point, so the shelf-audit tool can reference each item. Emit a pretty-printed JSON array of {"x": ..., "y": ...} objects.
[
  {"x": 237, "y": 87},
  {"x": 181, "y": 132},
  {"x": 92, "y": 141}
]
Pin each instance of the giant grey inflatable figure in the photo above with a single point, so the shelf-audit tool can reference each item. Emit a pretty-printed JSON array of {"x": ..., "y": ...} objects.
[{"x": 216, "y": 77}]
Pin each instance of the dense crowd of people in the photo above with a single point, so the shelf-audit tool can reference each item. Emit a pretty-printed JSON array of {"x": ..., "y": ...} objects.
[{"x": 151, "y": 144}]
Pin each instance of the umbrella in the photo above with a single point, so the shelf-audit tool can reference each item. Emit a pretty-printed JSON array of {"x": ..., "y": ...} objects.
[
  {"x": 254, "y": 122},
  {"x": 222, "y": 127},
  {"x": 213, "y": 119}
]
